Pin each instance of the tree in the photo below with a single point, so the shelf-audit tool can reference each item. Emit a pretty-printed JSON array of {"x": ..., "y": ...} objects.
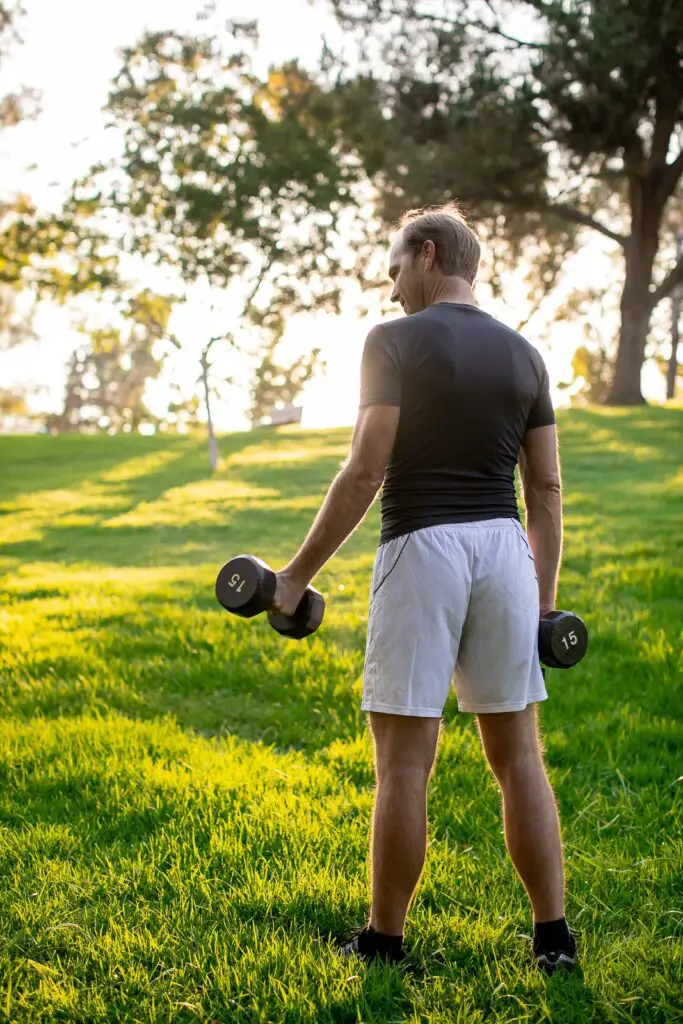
[
  {"x": 275, "y": 385},
  {"x": 106, "y": 379},
  {"x": 546, "y": 119},
  {"x": 591, "y": 369},
  {"x": 55, "y": 256},
  {"x": 12, "y": 403},
  {"x": 229, "y": 179},
  {"x": 14, "y": 108},
  {"x": 181, "y": 413},
  {"x": 673, "y": 368},
  {"x": 593, "y": 360},
  {"x": 664, "y": 366},
  {"x": 210, "y": 389}
]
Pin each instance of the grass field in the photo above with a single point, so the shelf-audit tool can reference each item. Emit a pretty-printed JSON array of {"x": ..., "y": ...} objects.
[{"x": 186, "y": 797}]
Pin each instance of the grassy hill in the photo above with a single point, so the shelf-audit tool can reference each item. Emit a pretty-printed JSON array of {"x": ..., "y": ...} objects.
[{"x": 186, "y": 797}]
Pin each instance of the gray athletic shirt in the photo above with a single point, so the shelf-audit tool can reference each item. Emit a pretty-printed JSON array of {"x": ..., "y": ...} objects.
[{"x": 468, "y": 387}]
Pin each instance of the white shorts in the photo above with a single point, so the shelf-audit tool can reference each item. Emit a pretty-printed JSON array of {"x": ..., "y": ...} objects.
[{"x": 457, "y": 602}]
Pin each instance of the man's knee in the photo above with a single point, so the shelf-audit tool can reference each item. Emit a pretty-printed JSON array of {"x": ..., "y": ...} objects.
[
  {"x": 404, "y": 744},
  {"x": 511, "y": 743}
]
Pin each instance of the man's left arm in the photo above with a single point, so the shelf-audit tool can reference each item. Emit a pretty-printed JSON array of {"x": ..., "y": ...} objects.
[{"x": 348, "y": 499}]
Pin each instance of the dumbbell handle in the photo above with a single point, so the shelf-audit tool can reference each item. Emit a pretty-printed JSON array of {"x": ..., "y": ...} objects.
[
  {"x": 246, "y": 586},
  {"x": 310, "y": 610}
]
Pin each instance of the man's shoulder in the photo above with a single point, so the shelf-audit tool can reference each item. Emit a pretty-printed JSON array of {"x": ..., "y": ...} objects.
[
  {"x": 388, "y": 335},
  {"x": 521, "y": 341},
  {"x": 385, "y": 328},
  {"x": 401, "y": 327},
  {"x": 414, "y": 324}
]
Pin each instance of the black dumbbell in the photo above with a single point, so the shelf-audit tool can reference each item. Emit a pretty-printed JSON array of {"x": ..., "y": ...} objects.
[
  {"x": 562, "y": 639},
  {"x": 246, "y": 585}
]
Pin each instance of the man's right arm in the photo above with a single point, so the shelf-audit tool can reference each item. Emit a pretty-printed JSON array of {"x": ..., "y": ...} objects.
[{"x": 542, "y": 486}]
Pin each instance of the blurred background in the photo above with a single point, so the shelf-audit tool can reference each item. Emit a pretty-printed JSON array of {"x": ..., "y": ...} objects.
[{"x": 196, "y": 199}]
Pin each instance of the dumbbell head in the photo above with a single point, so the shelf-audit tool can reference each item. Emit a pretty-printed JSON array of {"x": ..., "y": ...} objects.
[
  {"x": 245, "y": 586},
  {"x": 305, "y": 619},
  {"x": 562, "y": 639}
]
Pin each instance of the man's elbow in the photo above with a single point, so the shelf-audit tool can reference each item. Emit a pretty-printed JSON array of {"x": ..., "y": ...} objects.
[
  {"x": 541, "y": 490},
  {"x": 365, "y": 478}
]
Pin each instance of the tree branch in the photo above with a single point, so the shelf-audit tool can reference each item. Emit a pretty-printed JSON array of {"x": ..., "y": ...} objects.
[
  {"x": 532, "y": 313},
  {"x": 347, "y": 17},
  {"x": 671, "y": 281},
  {"x": 259, "y": 281},
  {"x": 571, "y": 213},
  {"x": 245, "y": 308},
  {"x": 541, "y": 6},
  {"x": 443, "y": 20},
  {"x": 496, "y": 30}
]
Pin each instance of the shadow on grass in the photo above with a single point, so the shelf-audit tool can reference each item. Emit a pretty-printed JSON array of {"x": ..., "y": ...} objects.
[
  {"x": 32, "y": 464},
  {"x": 571, "y": 1001},
  {"x": 182, "y": 529},
  {"x": 259, "y": 689},
  {"x": 156, "y": 518},
  {"x": 174, "y": 650},
  {"x": 210, "y": 683}
]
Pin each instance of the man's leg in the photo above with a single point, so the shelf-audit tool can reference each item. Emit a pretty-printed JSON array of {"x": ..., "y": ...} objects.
[
  {"x": 405, "y": 751},
  {"x": 532, "y": 828}
]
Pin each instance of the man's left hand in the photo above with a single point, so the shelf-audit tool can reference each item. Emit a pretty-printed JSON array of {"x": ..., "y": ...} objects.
[{"x": 288, "y": 593}]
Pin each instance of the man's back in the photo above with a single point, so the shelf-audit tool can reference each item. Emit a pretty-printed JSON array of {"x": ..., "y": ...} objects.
[{"x": 468, "y": 387}]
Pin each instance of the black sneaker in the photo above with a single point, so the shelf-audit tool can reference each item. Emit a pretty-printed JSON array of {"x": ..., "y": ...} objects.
[
  {"x": 550, "y": 961},
  {"x": 362, "y": 944}
]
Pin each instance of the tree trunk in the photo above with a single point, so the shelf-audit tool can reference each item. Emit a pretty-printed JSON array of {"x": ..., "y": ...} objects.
[
  {"x": 213, "y": 444},
  {"x": 673, "y": 358},
  {"x": 625, "y": 389},
  {"x": 639, "y": 254},
  {"x": 675, "y": 318}
]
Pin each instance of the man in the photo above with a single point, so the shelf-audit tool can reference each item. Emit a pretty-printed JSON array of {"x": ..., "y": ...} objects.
[{"x": 451, "y": 400}]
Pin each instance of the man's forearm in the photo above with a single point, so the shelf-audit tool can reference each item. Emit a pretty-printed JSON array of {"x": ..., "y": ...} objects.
[
  {"x": 544, "y": 529},
  {"x": 348, "y": 499}
]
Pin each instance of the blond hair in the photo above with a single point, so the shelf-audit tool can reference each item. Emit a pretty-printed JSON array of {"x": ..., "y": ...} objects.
[{"x": 457, "y": 247}]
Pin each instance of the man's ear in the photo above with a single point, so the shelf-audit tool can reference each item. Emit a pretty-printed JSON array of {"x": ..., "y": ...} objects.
[{"x": 429, "y": 254}]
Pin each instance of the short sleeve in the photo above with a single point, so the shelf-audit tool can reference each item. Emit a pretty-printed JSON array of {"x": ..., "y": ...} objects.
[
  {"x": 380, "y": 373},
  {"x": 542, "y": 413}
]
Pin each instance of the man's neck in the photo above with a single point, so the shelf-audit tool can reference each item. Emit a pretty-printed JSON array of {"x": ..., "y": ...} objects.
[{"x": 454, "y": 291}]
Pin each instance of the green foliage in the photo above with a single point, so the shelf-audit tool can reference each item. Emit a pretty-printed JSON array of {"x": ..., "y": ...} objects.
[
  {"x": 228, "y": 179},
  {"x": 223, "y": 175},
  {"x": 275, "y": 385},
  {"x": 513, "y": 121},
  {"x": 106, "y": 380},
  {"x": 17, "y": 106},
  {"x": 186, "y": 797},
  {"x": 12, "y": 403},
  {"x": 55, "y": 256},
  {"x": 592, "y": 367},
  {"x": 539, "y": 118},
  {"x": 182, "y": 413},
  {"x": 592, "y": 362},
  {"x": 662, "y": 363}
]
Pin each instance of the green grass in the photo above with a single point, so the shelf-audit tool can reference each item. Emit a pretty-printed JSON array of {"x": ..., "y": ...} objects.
[{"x": 185, "y": 797}]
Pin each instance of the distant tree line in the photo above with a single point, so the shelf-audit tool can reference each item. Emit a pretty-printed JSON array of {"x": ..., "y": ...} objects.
[{"x": 246, "y": 183}]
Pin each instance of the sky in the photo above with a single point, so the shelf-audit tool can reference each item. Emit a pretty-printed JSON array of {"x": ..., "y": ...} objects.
[{"x": 70, "y": 54}]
